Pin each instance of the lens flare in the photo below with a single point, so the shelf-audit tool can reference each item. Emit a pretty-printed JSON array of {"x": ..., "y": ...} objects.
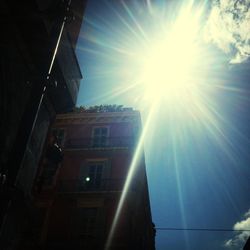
[
  {"x": 157, "y": 58},
  {"x": 168, "y": 66},
  {"x": 130, "y": 175}
]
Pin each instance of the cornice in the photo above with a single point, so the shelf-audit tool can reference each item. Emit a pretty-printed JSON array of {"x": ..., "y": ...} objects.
[{"x": 95, "y": 118}]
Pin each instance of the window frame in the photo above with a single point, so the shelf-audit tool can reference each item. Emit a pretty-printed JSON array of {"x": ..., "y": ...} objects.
[
  {"x": 100, "y": 144},
  {"x": 95, "y": 176},
  {"x": 84, "y": 173}
]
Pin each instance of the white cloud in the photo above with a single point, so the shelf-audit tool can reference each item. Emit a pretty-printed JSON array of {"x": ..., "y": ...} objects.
[
  {"x": 228, "y": 26},
  {"x": 239, "y": 240},
  {"x": 247, "y": 214}
]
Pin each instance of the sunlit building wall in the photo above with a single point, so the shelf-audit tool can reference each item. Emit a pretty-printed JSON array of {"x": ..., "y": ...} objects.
[{"x": 79, "y": 204}]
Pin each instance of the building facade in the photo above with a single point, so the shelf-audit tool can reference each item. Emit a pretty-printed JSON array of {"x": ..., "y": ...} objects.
[
  {"x": 30, "y": 33},
  {"x": 78, "y": 203}
]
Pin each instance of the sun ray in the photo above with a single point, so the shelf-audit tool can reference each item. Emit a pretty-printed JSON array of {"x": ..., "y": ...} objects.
[
  {"x": 144, "y": 35},
  {"x": 126, "y": 24},
  {"x": 161, "y": 59},
  {"x": 113, "y": 93},
  {"x": 129, "y": 178},
  {"x": 179, "y": 190}
]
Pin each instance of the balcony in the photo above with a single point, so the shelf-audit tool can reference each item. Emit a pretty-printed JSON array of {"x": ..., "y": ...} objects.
[
  {"x": 66, "y": 77},
  {"x": 79, "y": 186},
  {"x": 97, "y": 143},
  {"x": 69, "y": 66}
]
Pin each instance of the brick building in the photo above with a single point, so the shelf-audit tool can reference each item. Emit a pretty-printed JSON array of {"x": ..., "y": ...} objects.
[{"x": 79, "y": 202}]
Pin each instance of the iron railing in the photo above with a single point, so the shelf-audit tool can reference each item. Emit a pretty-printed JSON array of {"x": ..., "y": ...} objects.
[
  {"x": 69, "y": 66},
  {"x": 107, "y": 142},
  {"x": 77, "y": 185}
]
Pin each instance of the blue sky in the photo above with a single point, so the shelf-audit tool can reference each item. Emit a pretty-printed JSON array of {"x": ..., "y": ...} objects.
[{"x": 197, "y": 151}]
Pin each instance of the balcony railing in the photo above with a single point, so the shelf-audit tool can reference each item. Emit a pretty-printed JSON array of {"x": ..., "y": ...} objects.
[
  {"x": 69, "y": 65},
  {"x": 78, "y": 186},
  {"x": 109, "y": 142},
  {"x": 66, "y": 76}
]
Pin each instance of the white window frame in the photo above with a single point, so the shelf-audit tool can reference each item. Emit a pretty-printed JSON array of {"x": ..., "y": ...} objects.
[{"x": 93, "y": 137}]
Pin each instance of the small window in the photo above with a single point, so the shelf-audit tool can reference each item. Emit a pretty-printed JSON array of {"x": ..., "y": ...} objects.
[
  {"x": 100, "y": 137},
  {"x": 94, "y": 175},
  {"x": 95, "y": 171}
]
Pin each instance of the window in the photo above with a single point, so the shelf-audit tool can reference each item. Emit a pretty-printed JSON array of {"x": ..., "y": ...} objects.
[
  {"x": 94, "y": 175},
  {"x": 87, "y": 221},
  {"x": 100, "y": 136},
  {"x": 87, "y": 226},
  {"x": 95, "y": 171}
]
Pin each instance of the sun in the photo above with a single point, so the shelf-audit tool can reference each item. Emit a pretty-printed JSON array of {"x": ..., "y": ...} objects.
[
  {"x": 166, "y": 73},
  {"x": 168, "y": 66}
]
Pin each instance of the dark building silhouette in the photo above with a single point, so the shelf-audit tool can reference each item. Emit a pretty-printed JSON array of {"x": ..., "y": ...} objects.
[
  {"x": 30, "y": 32},
  {"x": 247, "y": 245},
  {"x": 77, "y": 204}
]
